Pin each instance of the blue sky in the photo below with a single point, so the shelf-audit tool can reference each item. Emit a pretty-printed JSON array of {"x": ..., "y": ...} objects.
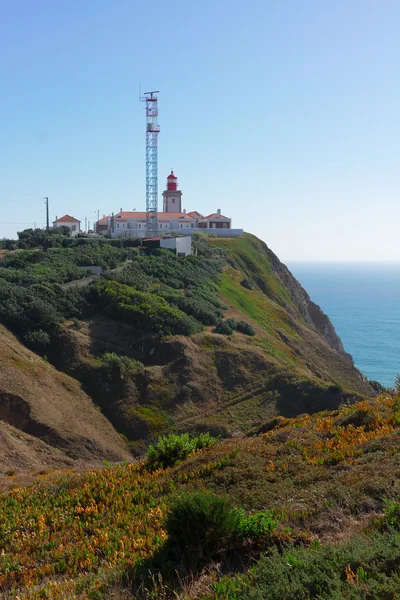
[{"x": 283, "y": 113}]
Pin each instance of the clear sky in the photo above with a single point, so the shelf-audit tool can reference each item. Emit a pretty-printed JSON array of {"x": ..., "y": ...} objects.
[{"x": 283, "y": 113}]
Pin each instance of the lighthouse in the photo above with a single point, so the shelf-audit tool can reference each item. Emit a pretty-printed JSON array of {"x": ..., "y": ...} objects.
[{"x": 172, "y": 197}]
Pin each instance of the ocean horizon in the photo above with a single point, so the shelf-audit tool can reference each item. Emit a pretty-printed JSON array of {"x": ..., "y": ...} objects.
[{"x": 362, "y": 299}]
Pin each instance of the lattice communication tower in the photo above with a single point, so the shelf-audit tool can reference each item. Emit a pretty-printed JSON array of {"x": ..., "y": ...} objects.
[{"x": 152, "y": 131}]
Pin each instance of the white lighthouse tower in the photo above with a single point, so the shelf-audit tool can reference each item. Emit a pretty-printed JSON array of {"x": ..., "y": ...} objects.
[{"x": 172, "y": 197}]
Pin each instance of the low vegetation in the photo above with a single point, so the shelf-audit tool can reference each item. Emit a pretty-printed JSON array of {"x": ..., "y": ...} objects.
[
  {"x": 161, "y": 295},
  {"x": 278, "y": 522},
  {"x": 171, "y": 449}
]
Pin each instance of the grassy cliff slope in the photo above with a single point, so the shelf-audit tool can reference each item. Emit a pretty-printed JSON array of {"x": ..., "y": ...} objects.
[
  {"x": 218, "y": 341},
  {"x": 294, "y": 363}
]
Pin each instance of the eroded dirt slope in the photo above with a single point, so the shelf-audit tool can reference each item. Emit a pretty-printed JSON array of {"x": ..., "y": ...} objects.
[{"x": 39, "y": 401}]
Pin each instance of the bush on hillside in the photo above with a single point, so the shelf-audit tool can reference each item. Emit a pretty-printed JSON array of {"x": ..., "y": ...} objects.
[
  {"x": 392, "y": 515},
  {"x": 232, "y": 323},
  {"x": 199, "y": 525},
  {"x": 256, "y": 526},
  {"x": 223, "y": 328},
  {"x": 172, "y": 448},
  {"x": 37, "y": 340},
  {"x": 247, "y": 283},
  {"x": 199, "y": 309},
  {"x": 245, "y": 327},
  {"x": 117, "y": 367}
]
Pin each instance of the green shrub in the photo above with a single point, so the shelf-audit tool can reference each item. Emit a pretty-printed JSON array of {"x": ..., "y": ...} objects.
[
  {"x": 199, "y": 525},
  {"x": 198, "y": 308},
  {"x": 37, "y": 340},
  {"x": 258, "y": 525},
  {"x": 117, "y": 367},
  {"x": 231, "y": 323},
  {"x": 205, "y": 440},
  {"x": 223, "y": 328},
  {"x": 245, "y": 327},
  {"x": 392, "y": 515},
  {"x": 172, "y": 448},
  {"x": 247, "y": 283},
  {"x": 168, "y": 450}
]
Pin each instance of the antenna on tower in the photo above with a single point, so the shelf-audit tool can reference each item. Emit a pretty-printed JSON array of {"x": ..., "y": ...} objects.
[{"x": 152, "y": 131}]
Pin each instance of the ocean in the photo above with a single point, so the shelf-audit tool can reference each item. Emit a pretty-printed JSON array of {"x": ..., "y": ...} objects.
[{"x": 363, "y": 302}]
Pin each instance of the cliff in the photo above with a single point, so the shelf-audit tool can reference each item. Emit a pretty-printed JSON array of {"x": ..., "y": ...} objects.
[
  {"x": 219, "y": 341},
  {"x": 294, "y": 363}
]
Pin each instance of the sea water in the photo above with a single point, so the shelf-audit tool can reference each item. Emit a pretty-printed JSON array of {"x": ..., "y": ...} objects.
[{"x": 363, "y": 302}]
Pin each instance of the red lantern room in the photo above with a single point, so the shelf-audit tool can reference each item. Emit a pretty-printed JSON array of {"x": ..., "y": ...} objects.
[
  {"x": 172, "y": 182},
  {"x": 172, "y": 197}
]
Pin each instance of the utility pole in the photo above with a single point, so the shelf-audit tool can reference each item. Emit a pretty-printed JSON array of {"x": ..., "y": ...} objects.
[
  {"x": 96, "y": 225},
  {"x": 46, "y": 201}
]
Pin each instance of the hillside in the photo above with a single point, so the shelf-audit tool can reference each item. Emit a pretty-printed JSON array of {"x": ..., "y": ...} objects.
[
  {"x": 294, "y": 363},
  {"x": 46, "y": 420},
  {"x": 215, "y": 342},
  {"x": 324, "y": 483},
  {"x": 260, "y": 496}
]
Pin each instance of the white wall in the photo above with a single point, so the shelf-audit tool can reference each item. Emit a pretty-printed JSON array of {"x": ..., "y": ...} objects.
[
  {"x": 182, "y": 245},
  {"x": 71, "y": 226}
]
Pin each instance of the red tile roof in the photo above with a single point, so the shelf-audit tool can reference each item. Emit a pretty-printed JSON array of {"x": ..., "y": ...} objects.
[
  {"x": 166, "y": 216},
  {"x": 67, "y": 219},
  {"x": 215, "y": 216}
]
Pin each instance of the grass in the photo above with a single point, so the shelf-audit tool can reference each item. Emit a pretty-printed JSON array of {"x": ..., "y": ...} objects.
[{"x": 251, "y": 256}]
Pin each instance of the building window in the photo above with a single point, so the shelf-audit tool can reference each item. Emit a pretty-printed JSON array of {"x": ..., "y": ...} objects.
[
  {"x": 73, "y": 227},
  {"x": 173, "y": 200}
]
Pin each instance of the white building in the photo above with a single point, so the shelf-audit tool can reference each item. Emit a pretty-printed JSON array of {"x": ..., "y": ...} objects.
[
  {"x": 181, "y": 245},
  {"x": 68, "y": 221},
  {"x": 173, "y": 219}
]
